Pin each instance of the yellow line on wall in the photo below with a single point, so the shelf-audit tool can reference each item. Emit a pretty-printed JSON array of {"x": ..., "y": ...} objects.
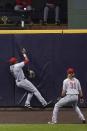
[
  {"x": 30, "y": 31},
  {"x": 71, "y": 31}
]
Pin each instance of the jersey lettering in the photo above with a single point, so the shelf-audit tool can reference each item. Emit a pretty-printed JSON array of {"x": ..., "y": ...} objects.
[{"x": 72, "y": 85}]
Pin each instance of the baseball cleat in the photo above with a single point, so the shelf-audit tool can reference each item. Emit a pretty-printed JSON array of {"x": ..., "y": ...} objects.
[
  {"x": 50, "y": 122},
  {"x": 28, "y": 106},
  {"x": 48, "y": 104},
  {"x": 84, "y": 121}
]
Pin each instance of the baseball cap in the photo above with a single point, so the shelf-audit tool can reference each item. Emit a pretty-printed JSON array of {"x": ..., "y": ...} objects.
[
  {"x": 70, "y": 70},
  {"x": 12, "y": 60}
]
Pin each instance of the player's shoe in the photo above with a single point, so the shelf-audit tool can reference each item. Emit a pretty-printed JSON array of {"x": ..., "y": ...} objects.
[
  {"x": 48, "y": 104},
  {"x": 51, "y": 122},
  {"x": 57, "y": 22},
  {"x": 84, "y": 121},
  {"x": 28, "y": 106}
]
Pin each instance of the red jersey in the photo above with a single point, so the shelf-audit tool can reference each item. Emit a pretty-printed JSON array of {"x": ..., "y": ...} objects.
[{"x": 23, "y": 2}]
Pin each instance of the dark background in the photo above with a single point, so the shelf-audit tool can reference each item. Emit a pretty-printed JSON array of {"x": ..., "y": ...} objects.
[
  {"x": 50, "y": 55},
  {"x": 35, "y": 3},
  {"x": 38, "y": 6}
]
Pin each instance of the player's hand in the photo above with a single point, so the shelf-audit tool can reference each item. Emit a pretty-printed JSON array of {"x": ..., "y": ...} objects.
[
  {"x": 31, "y": 74},
  {"x": 58, "y": 98},
  {"x": 23, "y": 51},
  {"x": 81, "y": 100}
]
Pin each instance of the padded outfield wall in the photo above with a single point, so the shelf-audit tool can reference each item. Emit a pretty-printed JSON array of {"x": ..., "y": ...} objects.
[{"x": 51, "y": 52}]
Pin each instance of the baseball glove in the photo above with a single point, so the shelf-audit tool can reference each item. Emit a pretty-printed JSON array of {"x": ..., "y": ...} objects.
[{"x": 31, "y": 74}]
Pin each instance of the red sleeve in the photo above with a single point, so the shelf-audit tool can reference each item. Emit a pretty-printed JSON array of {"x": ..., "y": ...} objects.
[
  {"x": 29, "y": 2},
  {"x": 26, "y": 61},
  {"x": 18, "y": 2}
]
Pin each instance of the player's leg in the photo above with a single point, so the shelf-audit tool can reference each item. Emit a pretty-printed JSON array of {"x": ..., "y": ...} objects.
[
  {"x": 27, "y": 102},
  {"x": 46, "y": 10},
  {"x": 29, "y": 8},
  {"x": 79, "y": 113},
  {"x": 27, "y": 85},
  {"x": 63, "y": 101},
  {"x": 57, "y": 21},
  {"x": 38, "y": 94}
]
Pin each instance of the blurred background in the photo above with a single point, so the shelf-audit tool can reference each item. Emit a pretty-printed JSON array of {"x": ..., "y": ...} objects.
[
  {"x": 7, "y": 9},
  {"x": 72, "y": 13}
]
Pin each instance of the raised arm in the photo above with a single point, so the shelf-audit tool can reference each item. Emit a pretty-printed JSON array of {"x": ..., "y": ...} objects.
[{"x": 26, "y": 59}]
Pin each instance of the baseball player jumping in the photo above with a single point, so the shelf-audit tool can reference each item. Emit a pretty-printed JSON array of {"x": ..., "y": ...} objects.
[
  {"x": 70, "y": 92},
  {"x": 21, "y": 80}
]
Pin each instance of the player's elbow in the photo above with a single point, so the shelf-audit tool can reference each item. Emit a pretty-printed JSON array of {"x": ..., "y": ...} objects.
[{"x": 26, "y": 61}]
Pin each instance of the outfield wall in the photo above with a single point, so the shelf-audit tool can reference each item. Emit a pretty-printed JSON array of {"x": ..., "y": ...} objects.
[{"x": 51, "y": 52}]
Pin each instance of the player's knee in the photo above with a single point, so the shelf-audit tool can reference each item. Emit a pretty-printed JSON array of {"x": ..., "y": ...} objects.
[
  {"x": 35, "y": 91},
  {"x": 57, "y": 105}
]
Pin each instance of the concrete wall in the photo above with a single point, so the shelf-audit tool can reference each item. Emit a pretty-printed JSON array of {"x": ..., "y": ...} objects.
[{"x": 77, "y": 13}]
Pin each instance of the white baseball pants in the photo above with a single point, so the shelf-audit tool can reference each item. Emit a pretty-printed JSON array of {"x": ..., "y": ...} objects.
[
  {"x": 46, "y": 10},
  {"x": 27, "y": 85},
  {"x": 73, "y": 99}
]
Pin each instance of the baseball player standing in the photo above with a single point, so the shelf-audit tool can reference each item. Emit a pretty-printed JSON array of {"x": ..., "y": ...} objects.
[
  {"x": 21, "y": 80},
  {"x": 71, "y": 90}
]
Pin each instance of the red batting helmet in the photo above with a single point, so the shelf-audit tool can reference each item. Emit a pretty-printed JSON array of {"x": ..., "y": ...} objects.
[
  {"x": 13, "y": 60},
  {"x": 70, "y": 71}
]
